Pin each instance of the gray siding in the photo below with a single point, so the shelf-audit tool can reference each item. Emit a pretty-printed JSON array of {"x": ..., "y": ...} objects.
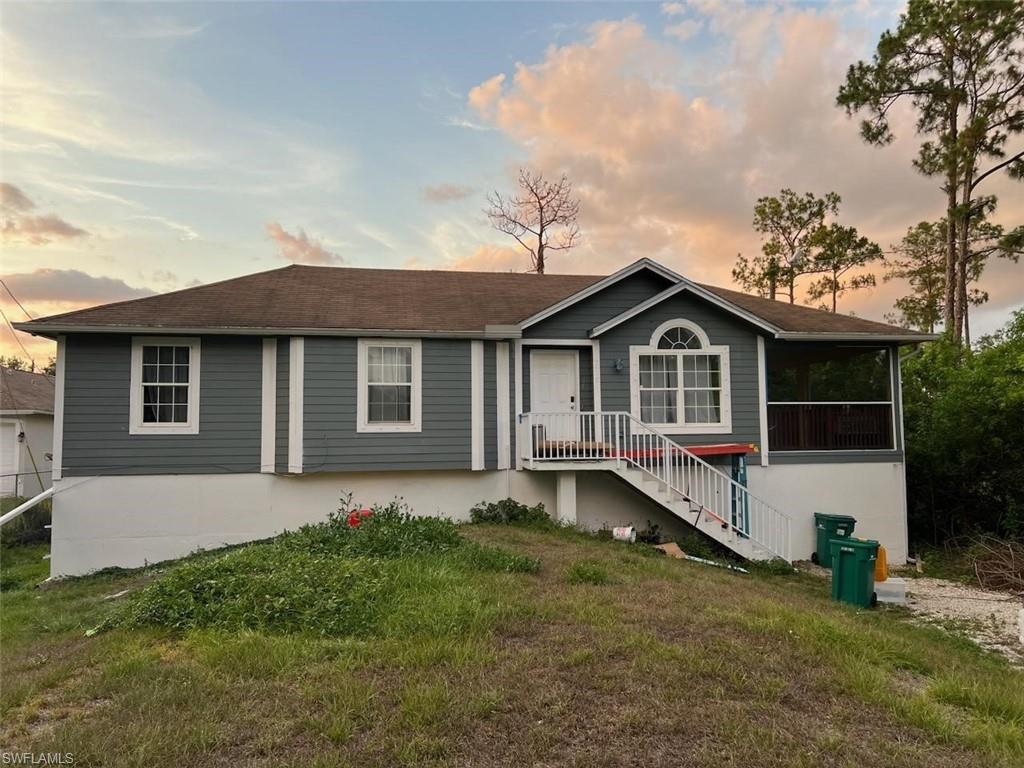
[
  {"x": 96, "y": 411},
  {"x": 722, "y": 329},
  {"x": 331, "y": 440},
  {"x": 490, "y": 406},
  {"x": 281, "y": 422},
  {"x": 576, "y": 321},
  {"x": 834, "y": 457}
]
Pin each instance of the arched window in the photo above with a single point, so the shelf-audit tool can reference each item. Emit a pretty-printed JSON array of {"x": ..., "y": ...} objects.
[
  {"x": 680, "y": 381},
  {"x": 679, "y": 334},
  {"x": 679, "y": 338}
]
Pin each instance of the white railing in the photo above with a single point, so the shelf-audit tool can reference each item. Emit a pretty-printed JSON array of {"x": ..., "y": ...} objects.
[{"x": 617, "y": 439}]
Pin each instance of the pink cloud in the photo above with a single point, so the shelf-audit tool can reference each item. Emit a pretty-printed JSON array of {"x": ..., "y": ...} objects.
[
  {"x": 667, "y": 172},
  {"x": 40, "y": 230},
  {"x": 13, "y": 199},
  {"x": 483, "y": 96},
  {"x": 32, "y": 230},
  {"x": 443, "y": 193},
  {"x": 491, "y": 257},
  {"x": 300, "y": 248}
]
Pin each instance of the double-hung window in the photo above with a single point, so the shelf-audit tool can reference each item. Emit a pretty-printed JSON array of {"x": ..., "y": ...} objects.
[
  {"x": 389, "y": 381},
  {"x": 680, "y": 382},
  {"x": 164, "y": 396}
]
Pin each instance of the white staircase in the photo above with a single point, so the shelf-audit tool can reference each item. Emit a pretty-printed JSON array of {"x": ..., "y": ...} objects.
[{"x": 664, "y": 471}]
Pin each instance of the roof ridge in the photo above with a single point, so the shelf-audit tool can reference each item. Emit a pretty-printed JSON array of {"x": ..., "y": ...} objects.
[{"x": 445, "y": 271}]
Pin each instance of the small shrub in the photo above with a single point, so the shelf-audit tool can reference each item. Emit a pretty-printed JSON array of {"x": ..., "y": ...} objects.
[
  {"x": 587, "y": 572},
  {"x": 391, "y": 531},
  {"x": 510, "y": 512}
]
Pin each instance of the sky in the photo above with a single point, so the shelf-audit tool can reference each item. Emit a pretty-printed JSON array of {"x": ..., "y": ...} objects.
[{"x": 146, "y": 148}]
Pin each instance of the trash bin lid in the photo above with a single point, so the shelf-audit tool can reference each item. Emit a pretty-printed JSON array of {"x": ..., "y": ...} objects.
[
  {"x": 818, "y": 516},
  {"x": 855, "y": 543}
]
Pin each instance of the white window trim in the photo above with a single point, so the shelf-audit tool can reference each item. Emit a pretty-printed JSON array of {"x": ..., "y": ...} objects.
[
  {"x": 681, "y": 428},
  {"x": 416, "y": 399},
  {"x": 135, "y": 424}
]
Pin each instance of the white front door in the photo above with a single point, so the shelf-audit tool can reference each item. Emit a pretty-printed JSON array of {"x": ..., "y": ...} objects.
[{"x": 554, "y": 388}]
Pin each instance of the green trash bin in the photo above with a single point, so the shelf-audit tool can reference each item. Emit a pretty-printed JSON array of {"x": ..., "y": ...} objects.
[
  {"x": 830, "y": 527},
  {"x": 853, "y": 571}
]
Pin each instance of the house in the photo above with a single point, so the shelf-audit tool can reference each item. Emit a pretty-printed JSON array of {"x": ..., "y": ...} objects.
[
  {"x": 230, "y": 411},
  {"x": 26, "y": 432}
]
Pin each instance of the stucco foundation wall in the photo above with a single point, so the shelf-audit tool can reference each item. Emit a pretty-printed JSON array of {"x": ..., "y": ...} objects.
[
  {"x": 129, "y": 521},
  {"x": 604, "y": 501},
  {"x": 874, "y": 493}
]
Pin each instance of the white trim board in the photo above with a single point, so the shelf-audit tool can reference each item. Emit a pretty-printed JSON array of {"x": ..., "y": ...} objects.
[
  {"x": 476, "y": 378},
  {"x": 268, "y": 422},
  {"x": 35, "y": 328},
  {"x": 296, "y": 384},
  {"x": 57, "y": 452},
  {"x": 558, "y": 342},
  {"x": 517, "y": 350},
  {"x": 504, "y": 417},
  {"x": 762, "y": 398}
]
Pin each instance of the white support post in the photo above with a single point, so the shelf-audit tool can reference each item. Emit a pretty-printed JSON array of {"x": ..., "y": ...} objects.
[
  {"x": 595, "y": 354},
  {"x": 501, "y": 371},
  {"x": 565, "y": 498},
  {"x": 762, "y": 398},
  {"x": 476, "y": 383},
  {"x": 268, "y": 428},
  {"x": 296, "y": 383}
]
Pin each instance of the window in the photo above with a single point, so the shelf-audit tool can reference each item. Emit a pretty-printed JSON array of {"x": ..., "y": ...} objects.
[
  {"x": 389, "y": 397},
  {"x": 164, "y": 395},
  {"x": 680, "y": 382}
]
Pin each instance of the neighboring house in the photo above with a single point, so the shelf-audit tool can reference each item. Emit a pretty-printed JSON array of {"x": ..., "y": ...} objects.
[
  {"x": 26, "y": 432},
  {"x": 231, "y": 411}
]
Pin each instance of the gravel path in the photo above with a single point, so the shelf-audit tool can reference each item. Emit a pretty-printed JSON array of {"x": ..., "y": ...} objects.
[{"x": 991, "y": 619}]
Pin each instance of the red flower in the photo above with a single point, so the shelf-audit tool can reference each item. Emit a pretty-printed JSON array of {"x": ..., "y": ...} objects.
[
  {"x": 353, "y": 519},
  {"x": 365, "y": 513}
]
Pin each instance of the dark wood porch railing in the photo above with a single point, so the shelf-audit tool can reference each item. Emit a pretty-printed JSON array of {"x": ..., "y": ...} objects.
[{"x": 829, "y": 426}]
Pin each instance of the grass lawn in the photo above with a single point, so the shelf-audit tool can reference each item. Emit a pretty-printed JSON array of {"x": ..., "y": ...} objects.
[{"x": 605, "y": 656}]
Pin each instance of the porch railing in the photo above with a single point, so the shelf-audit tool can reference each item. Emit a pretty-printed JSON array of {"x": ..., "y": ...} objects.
[
  {"x": 617, "y": 440},
  {"x": 830, "y": 426}
]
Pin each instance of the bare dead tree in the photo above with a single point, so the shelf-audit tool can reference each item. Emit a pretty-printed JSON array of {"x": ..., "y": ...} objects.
[{"x": 540, "y": 210}]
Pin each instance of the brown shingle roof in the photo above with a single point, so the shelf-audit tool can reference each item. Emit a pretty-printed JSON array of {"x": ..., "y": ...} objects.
[
  {"x": 343, "y": 297},
  {"x": 799, "y": 319},
  {"x": 24, "y": 391},
  {"x": 304, "y": 297}
]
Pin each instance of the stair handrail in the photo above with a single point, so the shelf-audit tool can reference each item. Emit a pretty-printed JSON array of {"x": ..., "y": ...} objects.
[
  {"x": 758, "y": 521},
  {"x": 766, "y": 525}
]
